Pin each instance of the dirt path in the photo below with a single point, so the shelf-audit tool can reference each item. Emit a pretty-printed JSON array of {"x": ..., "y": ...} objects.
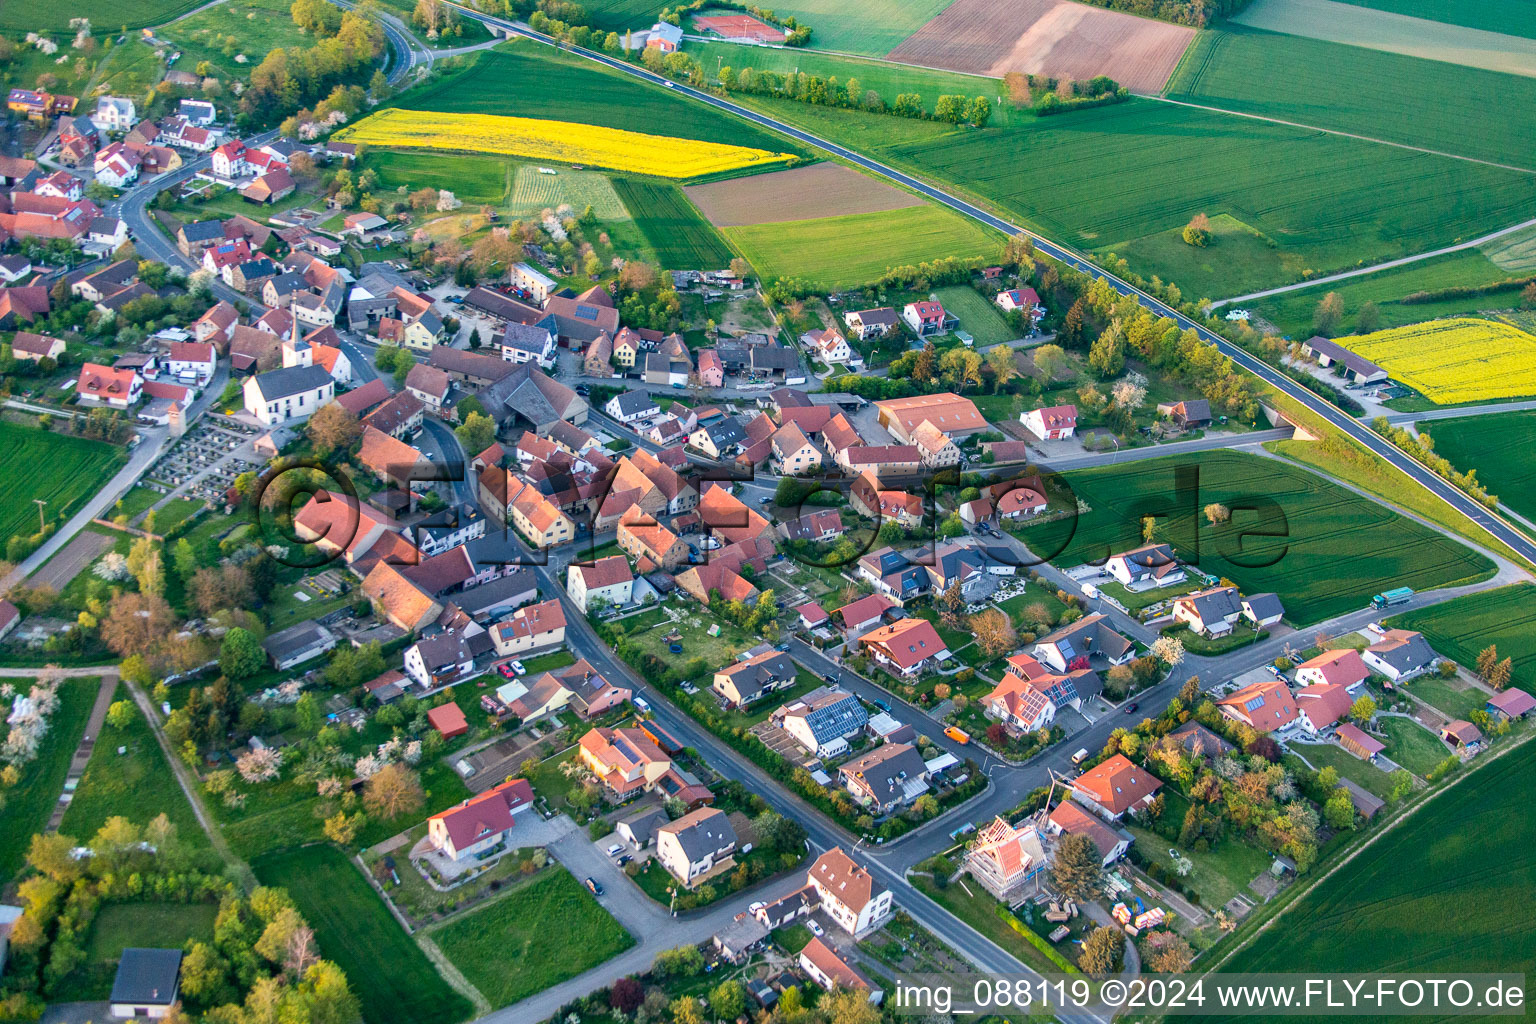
[{"x": 87, "y": 743}]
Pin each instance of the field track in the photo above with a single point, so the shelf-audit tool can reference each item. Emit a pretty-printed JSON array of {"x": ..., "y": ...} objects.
[
  {"x": 1394, "y": 33},
  {"x": 1048, "y": 37},
  {"x": 820, "y": 190}
]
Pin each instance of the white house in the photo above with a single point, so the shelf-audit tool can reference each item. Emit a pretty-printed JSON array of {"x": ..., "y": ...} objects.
[
  {"x": 606, "y": 581},
  {"x": 106, "y": 385},
  {"x": 442, "y": 659},
  {"x": 531, "y": 628},
  {"x": 528, "y": 343},
  {"x": 114, "y": 114},
  {"x": 291, "y": 393},
  {"x": 148, "y": 982},
  {"x": 696, "y": 845},
  {"x": 828, "y": 345},
  {"x": 533, "y": 281},
  {"x": 1052, "y": 423},
  {"x": 823, "y": 721},
  {"x": 193, "y": 361},
  {"x": 849, "y": 893},
  {"x": 632, "y": 407},
  {"x": 480, "y": 823},
  {"x": 1210, "y": 612},
  {"x": 1341, "y": 667},
  {"x": 1151, "y": 564},
  {"x": 116, "y": 166},
  {"x": 1398, "y": 654}
]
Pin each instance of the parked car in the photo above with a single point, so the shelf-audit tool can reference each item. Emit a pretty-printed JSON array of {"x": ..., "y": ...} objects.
[
  {"x": 506, "y": 670},
  {"x": 642, "y": 704},
  {"x": 593, "y": 887},
  {"x": 815, "y": 928},
  {"x": 624, "y": 860},
  {"x": 1130, "y": 708},
  {"x": 517, "y": 667},
  {"x": 616, "y": 848}
]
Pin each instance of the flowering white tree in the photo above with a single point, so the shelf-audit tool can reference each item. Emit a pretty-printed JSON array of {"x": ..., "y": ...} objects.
[
  {"x": 259, "y": 765},
  {"x": 1128, "y": 394},
  {"x": 1168, "y": 649},
  {"x": 113, "y": 566},
  {"x": 368, "y": 766}
]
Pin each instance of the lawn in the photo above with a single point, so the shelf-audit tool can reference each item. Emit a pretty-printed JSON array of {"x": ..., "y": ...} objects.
[
  {"x": 137, "y": 784},
  {"x": 1411, "y": 745},
  {"x": 1459, "y": 629},
  {"x": 1143, "y": 168},
  {"x": 38, "y": 16},
  {"x": 1368, "y": 776},
  {"x": 63, "y": 471},
  {"x": 537, "y": 936},
  {"x": 1291, "y": 312},
  {"x": 681, "y": 238},
  {"x": 979, "y": 910},
  {"x": 1354, "y": 89},
  {"x": 29, "y": 803},
  {"x": 1446, "y": 891},
  {"x": 528, "y": 80},
  {"x": 1328, "y": 549},
  {"x": 1501, "y": 447},
  {"x": 1218, "y": 874},
  {"x": 391, "y": 976},
  {"x": 856, "y": 249},
  {"x": 979, "y": 317},
  {"x": 1451, "y": 697},
  {"x": 220, "y": 33},
  {"x": 120, "y": 926},
  {"x": 472, "y": 179},
  {"x": 535, "y": 191}
]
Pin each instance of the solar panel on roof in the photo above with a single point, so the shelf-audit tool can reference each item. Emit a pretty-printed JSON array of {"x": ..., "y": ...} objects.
[{"x": 587, "y": 312}]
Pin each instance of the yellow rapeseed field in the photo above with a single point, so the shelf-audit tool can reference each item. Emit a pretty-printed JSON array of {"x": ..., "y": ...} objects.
[
  {"x": 561, "y": 141},
  {"x": 1459, "y": 360}
]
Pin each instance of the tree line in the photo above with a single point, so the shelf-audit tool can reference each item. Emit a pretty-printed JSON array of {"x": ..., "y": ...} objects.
[
  {"x": 851, "y": 95},
  {"x": 290, "y": 78}
]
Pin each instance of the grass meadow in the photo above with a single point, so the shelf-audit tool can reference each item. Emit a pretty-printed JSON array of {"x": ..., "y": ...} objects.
[
  {"x": 978, "y": 316},
  {"x": 29, "y": 803},
  {"x": 61, "y": 470},
  {"x": 536, "y": 936},
  {"x": 473, "y": 179},
  {"x": 680, "y": 236},
  {"x": 1419, "y": 102},
  {"x": 392, "y": 977},
  {"x": 1104, "y": 178},
  {"x": 120, "y": 926},
  {"x": 843, "y": 252},
  {"x": 1500, "y": 446},
  {"x": 1511, "y": 17},
  {"x": 222, "y": 32},
  {"x": 1459, "y": 629},
  {"x": 41, "y": 16},
  {"x": 1323, "y": 549},
  {"x": 528, "y": 80},
  {"x": 1445, "y": 891},
  {"x": 533, "y": 191}
]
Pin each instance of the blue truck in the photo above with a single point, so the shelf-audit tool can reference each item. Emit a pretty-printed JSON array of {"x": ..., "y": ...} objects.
[{"x": 1391, "y": 597}]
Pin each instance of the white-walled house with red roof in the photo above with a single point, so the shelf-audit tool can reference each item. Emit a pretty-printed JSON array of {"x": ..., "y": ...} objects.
[{"x": 1052, "y": 423}]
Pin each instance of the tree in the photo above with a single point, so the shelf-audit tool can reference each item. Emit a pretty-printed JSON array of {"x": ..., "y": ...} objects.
[
  {"x": 1402, "y": 784},
  {"x": 273, "y": 944},
  {"x": 240, "y": 655},
  {"x": 1498, "y": 678},
  {"x": 121, "y": 714},
  {"x": 227, "y": 587},
  {"x": 1102, "y": 950},
  {"x": 1528, "y": 296},
  {"x": 1000, "y": 361},
  {"x": 342, "y": 828},
  {"x": 1368, "y": 320},
  {"x": 686, "y": 1010},
  {"x": 1079, "y": 870},
  {"x": 1217, "y": 513},
  {"x": 925, "y": 367},
  {"x": 1049, "y": 359},
  {"x": 1168, "y": 649},
  {"x": 328, "y": 997},
  {"x": 333, "y": 428},
  {"x": 728, "y": 1000},
  {"x": 994, "y": 633},
  {"x": 137, "y": 624},
  {"x": 1486, "y": 659},
  {"x": 184, "y": 560},
  {"x": 1363, "y": 709},
  {"x": 626, "y": 995},
  {"x": 845, "y": 1006},
  {"x": 1339, "y": 811},
  {"x": 1170, "y": 953},
  {"x": 1328, "y": 315},
  {"x": 1106, "y": 356},
  {"x": 392, "y": 791},
  {"x": 476, "y": 432},
  {"x": 1198, "y": 231}
]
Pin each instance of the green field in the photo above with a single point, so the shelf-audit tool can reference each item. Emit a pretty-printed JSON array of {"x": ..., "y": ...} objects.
[
  {"x": 680, "y": 236},
  {"x": 525, "y": 79},
  {"x": 472, "y": 179},
  {"x": 1500, "y": 447},
  {"x": 63, "y": 471},
  {"x": 538, "y": 936},
  {"x": 29, "y": 803},
  {"x": 978, "y": 316},
  {"x": 533, "y": 192},
  {"x": 256, "y": 26},
  {"x": 1446, "y": 891},
  {"x": 1512, "y": 17},
  {"x": 39, "y": 16},
  {"x": 1291, "y": 312},
  {"x": 1331, "y": 549},
  {"x": 137, "y": 784},
  {"x": 874, "y": 29},
  {"x": 390, "y": 975},
  {"x": 1459, "y": 629},
  {"x": 1353, "y": 89},
  {"x": 1515, "y": 252},
  {"x": 1143, "y": 168},
  {"x": 120, "y": 926},
  {"x": 618, "y": 15},
  {"x": 1411, "y": 745},
  {"x": 842, "y": 252}
]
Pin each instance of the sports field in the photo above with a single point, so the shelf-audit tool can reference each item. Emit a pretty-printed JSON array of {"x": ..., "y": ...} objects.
[
  {"x": 61, "y": 470},
  {"x": 871, "y": 28},
  {"x": 533, "y": 191},
  {"x": 390, "y": 975},
  {"x": 681, "y": 239},
  {"x": 825, "y": 189},
  {"x": 42, "y": 16},
  {"x": 531, "y": 81},
  {"x": 978, "y": 317},
  {"x": 841, "y": 252},
  {"x": 1457, "y": 360},
  {"x": 1330, "y": 549},
  {"x": 1143, "y": 168},
  {"x": 1511, "y": 16},
  {"x": 1352, "y": 89},
  {"x": 1500, "y": 446},
  {"x": 1446, "y": 891},
  {"x": 1442, "y": 39},
  {"x": 472, "y": 179}
]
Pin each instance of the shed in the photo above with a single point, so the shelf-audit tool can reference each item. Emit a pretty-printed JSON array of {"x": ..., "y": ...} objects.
[{"x": 146, "y": 983}]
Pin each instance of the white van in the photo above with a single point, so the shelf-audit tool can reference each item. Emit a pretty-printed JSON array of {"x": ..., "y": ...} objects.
[{"x": 1079, "y": 757}]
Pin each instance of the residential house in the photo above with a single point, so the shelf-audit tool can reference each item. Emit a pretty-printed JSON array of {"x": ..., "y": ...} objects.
[
  {"x": 116, "y": 166},
  {"x": 481, "y": 824},
  {"x": 102, "y": 385},
  {"x": 440, "y": 660},
  {"x": 1210, "y": 612},
  {"x": 193, "y": 361},
  {"x": 935, "y": 450},
  {"x": 627, "y": 347},
  {"x": 1321, "y": 707},
  {"x": 1151, "y": 565},
  {"x": 534, "y": 627},
  {"x": 829, "y": 345},
  {"x": 703, "y": 582},
  {"x": 398, "y": 415},
  {"x": 1115, "y": 787},
  {"x": 868, "y": 498},
  {"x": 1399, "y": 654},
  {"x": 1188, "y": 414},
  {"x": 430, "y": 386},
  {"x": 274, "y": 186},
  {"x": 1112, "y": 842},
  {"x": 1263, "y": 609},
  {"x": 832, "y": 972},
  {"x": 887, "y": 463},
  {"x": 889, "y": 572},
  {"x": 849, "y": 894},
  {"x": 1266, "y": 706},
  {"x": 823, "y": 721},
  {"x": 857, "y": 617},
  {"x": 641, "y": 537},
  {"x": 61, "y": 185},
  {"x": 1201, "y": 742},
  {"x": 14, "y": 267},
  {"x": 148, "y": 981},
  {"x": 1005, "y": 859},
  {"x": 1024, "y": 300},
  {"x": 1051, "y": 423},
  {"x": 696, "y": 846},
  {"x": 711, "y": 370},
  {"x": 605, "y": 582},
  {"x": 1070, "y": 647},
  {"x": 632, "y": 407},
  {"x": 908, "y": 647},
  {"x": 628, "y": 762},
  {"x": 953, "y": 415},
  {"x": 871, "y": 323},
  {"x": 297, "y": 644},
  {"x": 815, "y": 527},
  {"x": 526, "y": 343},
  {"x": 928, "y": 318},
  {"x": 1342, "y": 667},
  {"x": 639, "y": 829},
  {"x": 747, "y": 682},
  {"x": 887, "y": 778},
  {"x": 34, "y": 348}
]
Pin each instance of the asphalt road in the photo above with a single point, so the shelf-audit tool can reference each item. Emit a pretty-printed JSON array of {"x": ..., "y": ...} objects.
[{"x": 1341, "y": 420}]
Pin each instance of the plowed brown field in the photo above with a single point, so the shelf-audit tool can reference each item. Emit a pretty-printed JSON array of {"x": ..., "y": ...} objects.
[
  {"x": 804, "y": 193},
  {"x": 1048, "y": 37}
]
